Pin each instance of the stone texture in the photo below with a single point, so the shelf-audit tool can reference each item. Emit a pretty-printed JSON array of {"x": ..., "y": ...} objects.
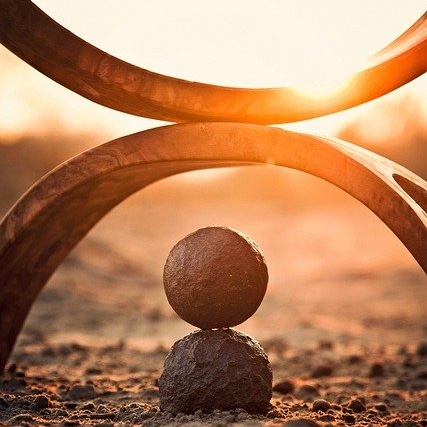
[
  {"x": 357, "y": 406},
  {"x": 321, "y": 405},
  {"x": 215, "y": 277},
  {"x": 216, "y": 369}
]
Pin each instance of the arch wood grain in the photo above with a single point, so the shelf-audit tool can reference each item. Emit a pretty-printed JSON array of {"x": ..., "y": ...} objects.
[
  {"x": 57, "y": 212},
  {"x": 56, "y": 52}
]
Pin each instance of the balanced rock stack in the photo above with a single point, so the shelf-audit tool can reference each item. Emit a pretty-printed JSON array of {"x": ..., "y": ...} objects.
[{"x": 215, "y": 278}]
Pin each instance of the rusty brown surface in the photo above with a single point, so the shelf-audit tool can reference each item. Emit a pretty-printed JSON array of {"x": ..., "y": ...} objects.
[
  {"x": 216, "y": 369},
  {"x": 58, "y": 211},
  {"x": 215, "y": 277},
  {"x": 47, "y": 46}
]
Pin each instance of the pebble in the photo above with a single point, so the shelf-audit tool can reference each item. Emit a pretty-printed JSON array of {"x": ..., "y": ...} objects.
[
  {"x": 381, "y": 407},
  {"x": 321, "y": 371},
  {"x": 41, "y": 402},
  {"x": 284, "y": 387},
  {"x": 357, "y": 406},
  {"x": 79, "y": 392},
  {"x": 376, "y": 370},
  {"x": 321, "y": 405}
]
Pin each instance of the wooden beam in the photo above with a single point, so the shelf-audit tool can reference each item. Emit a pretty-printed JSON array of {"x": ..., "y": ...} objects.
[{"x": 72, "y": 62}]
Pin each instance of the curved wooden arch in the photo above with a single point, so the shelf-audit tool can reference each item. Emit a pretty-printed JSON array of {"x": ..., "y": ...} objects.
[
  {"x": 58, "y": 211},
  {"x": 56, "y": 52}
]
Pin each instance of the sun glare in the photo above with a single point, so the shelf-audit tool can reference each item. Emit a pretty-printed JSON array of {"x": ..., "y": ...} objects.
[{"x": 325, "y": 85}]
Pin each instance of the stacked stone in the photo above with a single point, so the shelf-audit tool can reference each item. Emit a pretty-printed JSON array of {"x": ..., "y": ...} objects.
[{"x": 215, "y": 278}]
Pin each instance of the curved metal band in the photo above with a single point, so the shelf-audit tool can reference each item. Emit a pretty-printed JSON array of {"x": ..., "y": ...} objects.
[
  {"x": 106, "y": 80},
  {"x": 57, "y": 212}
]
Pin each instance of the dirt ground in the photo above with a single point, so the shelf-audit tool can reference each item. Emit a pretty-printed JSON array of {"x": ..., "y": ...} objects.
[{"x": 343, "y": 321}]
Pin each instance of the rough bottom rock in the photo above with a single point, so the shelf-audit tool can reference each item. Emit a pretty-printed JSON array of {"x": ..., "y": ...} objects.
[{"x": 216, "y": 369}]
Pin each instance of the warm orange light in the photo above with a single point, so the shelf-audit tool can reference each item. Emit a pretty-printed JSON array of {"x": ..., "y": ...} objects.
[
  {"x": 310, "y": 45},
  {"x": 323, "y": 87}
]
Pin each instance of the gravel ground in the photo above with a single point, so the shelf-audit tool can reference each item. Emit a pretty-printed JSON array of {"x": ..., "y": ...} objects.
[{"x": 330, "y": 384}]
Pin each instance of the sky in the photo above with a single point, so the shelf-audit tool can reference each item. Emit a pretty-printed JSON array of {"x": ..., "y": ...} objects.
[{"x": 245, "y": 43}]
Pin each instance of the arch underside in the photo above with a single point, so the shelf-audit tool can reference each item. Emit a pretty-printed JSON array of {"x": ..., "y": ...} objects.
[
  {"x": 59, "y": 54},
  {"x": 58, "y": 211}
]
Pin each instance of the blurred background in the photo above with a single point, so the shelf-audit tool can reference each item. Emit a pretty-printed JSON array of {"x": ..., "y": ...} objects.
[{"x": 335, "y": 270}]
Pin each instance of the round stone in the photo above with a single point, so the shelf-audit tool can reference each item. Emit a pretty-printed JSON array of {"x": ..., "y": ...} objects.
[
  {"x": 216, "y": 369},
  {"x": 215, "y": 277}
]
